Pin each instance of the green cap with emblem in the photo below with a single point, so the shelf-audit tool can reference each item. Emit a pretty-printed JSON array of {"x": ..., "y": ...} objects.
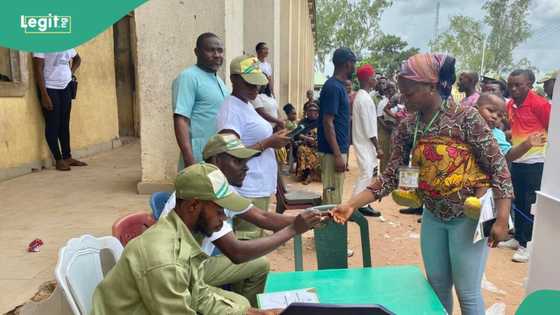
[
  {"x": 205, "y": 181},
  {"x": 227, "y": 143},
  {"x": 249, "y": 68}
]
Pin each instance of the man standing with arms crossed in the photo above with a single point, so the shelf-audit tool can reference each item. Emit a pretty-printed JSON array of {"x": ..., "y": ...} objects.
[
  {"x": 198, "y": 93},
  {"x": 334, "y": 127}
]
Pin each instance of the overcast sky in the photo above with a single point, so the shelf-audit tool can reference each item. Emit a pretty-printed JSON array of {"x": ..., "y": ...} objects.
[{"x": 414, "y": 21}]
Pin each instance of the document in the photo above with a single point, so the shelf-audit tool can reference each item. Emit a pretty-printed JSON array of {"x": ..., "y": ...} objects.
[
  {"x": 487, "y": 213},
  {"x": 284, "y": 298}
]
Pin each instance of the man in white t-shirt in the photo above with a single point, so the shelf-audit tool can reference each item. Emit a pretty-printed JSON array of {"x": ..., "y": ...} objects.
[
  {"x": 266, "y": 68},
  {"x": 364, "y": 133},
  {"x": 265, "y": 104},
  {"x": 53, "y": 74},
  {"x": 242, "y": 262}
]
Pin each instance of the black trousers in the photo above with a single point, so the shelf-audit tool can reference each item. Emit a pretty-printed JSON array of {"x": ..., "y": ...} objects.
[
  {"x": 526, "y": 180},
  {"x": 57, "y": 123}
]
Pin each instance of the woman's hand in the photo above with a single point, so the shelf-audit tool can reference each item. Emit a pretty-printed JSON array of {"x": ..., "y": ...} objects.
[
  {"x": 277, "y": 140},
  {"x": 498, "y": 233},
  {"x": 342, "y": 213}
]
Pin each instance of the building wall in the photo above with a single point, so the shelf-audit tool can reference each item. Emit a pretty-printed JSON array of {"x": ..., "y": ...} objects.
[
  {"x": 166, "y": 34},
  {"x": 94, "y": 121},
  {"x": 297, "y": 50}
]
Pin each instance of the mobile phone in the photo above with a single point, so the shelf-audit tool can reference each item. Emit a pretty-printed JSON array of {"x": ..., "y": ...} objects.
[
  {"x": 487, "y": 227},
  {"x": 296, "y": 132}
]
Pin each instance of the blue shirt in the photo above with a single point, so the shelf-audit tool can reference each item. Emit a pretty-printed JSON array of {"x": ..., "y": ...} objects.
[
  {"x": 500, "y": 137},
  {"x": 334, "y": 101},
  {"x": 198, "y": 95}
]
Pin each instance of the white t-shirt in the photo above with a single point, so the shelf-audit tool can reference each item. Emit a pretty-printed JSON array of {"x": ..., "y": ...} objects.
[
  {"x": 266, "y": 68},
  {"x": 207, "y": 245},
  {"x": 251, "y": 127},
  {"x": 381, "y": 106},
  {"x": 57, "y": 70},
  {"x": 268, "y": 103},
  {"x": 364, "y": 122}
]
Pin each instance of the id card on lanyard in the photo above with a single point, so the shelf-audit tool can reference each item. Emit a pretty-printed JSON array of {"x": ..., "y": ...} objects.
[{"x": 409, "y": 176}]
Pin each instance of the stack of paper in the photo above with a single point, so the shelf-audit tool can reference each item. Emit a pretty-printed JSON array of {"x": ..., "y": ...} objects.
[{"x": 284, "y": 298}]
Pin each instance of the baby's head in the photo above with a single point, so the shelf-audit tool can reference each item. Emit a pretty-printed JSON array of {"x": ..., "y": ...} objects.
[{"x": 490, "y": 106}]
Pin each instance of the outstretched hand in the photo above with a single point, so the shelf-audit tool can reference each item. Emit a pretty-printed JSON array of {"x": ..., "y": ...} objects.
[{"x": 342, "y": 213}]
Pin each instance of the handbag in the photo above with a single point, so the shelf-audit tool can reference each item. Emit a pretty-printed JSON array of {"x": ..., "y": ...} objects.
[{"x": 73, "y": 87}]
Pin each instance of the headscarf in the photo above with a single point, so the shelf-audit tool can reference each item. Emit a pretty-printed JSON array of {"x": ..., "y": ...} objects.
[{"x": 431, "y": 68}]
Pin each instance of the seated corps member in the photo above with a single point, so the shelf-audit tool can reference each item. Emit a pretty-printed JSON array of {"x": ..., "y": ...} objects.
[
  {"x": 161, "y": 271},
  {"x": 242, "y": 263}
]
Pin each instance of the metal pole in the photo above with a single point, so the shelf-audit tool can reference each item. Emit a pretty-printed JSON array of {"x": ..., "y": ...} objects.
[{"x": 483, "y": 54}]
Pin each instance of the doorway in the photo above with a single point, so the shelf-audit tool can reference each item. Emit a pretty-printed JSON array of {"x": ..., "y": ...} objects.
[{"x": 125, "y": 76}]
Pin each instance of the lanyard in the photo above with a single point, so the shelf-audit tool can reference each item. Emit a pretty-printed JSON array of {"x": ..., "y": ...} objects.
[{"x": 443, "y": 105}]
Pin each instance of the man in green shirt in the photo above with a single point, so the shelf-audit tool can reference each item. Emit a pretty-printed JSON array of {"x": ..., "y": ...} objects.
[{"x": 162, "y": 270}]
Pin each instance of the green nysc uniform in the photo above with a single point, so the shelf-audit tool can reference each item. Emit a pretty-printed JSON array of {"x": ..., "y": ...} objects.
[{"x": 161, "y": 272}]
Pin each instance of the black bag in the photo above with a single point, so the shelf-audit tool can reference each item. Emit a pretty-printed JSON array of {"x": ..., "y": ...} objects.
[{"x": 73, "y": 86}]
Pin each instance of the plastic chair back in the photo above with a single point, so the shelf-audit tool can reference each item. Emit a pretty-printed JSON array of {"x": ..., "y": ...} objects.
[
  {"x": 292, "y": 200},
  {"x": 157, "y": 202},
  {"x": 132, "y": 225},
  {"x": 331, "y": 243},
  {"x": 540, "y": 302},
  {"x": 79, "y": 269}
]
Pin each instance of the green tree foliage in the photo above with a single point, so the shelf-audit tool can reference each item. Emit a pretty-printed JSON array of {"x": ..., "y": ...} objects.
[
  {"x": 387, "y": 54},
  {"x": 350, "y": 23},
  {"x": 508, "y": 27},
  {"x": 507, "y": 20}
]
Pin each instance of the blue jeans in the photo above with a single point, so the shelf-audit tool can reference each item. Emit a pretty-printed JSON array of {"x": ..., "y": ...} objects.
[{"x": 451, "y": 259}]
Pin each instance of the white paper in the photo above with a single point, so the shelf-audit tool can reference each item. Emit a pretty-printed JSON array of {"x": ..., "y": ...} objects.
[
  {"x": 284, "y": 298},
  {"x": 486, "y": 213}
]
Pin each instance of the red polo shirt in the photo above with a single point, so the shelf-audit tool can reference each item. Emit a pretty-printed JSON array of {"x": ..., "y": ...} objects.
[{"x": 531, "y": 117}]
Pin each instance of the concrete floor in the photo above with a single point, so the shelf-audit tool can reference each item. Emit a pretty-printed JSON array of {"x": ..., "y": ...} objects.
[{"x": 56, "y": 206}]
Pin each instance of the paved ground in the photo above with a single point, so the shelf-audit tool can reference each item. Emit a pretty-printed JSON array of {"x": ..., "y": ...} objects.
[{"x": 56, "y": 206}]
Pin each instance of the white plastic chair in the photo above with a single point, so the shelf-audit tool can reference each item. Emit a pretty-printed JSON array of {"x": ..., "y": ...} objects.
[{"x": 79, "y": 269}]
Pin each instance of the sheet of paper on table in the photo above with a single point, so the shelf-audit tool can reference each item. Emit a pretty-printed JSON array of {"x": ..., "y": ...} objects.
[{"x": 284, "y": 298}]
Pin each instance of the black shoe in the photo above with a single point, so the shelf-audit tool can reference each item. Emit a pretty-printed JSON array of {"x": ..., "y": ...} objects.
[
  {"x": 412, "y": 211},
  {"x": 419, "y": 220},
  {"x": 369, "y": 211}
]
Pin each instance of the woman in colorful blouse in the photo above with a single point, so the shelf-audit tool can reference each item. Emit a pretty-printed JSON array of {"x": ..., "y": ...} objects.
[{"x": 457, "y": 157}]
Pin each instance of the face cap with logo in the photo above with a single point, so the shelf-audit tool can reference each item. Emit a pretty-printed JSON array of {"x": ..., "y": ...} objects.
[
  {"x": 248, "y": 67},
  {"x": 227, "y": 143},
  {"x": 206, "y": 182}
]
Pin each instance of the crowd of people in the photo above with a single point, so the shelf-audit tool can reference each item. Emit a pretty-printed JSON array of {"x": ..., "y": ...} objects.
[{"x": 211, "y": 232}]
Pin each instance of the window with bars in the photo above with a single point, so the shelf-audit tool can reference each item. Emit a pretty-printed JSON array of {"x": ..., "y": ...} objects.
[{"x": 13, "y": 72}]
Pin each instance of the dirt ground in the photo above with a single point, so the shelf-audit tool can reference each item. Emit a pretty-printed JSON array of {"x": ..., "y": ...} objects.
[
  {"x": 56, "y": 206},
  {"x": 395, "y": 241}
]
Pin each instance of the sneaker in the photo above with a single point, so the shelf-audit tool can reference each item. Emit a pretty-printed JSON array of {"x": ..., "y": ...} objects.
[
  {"x": 511, "y": 244},
  {"x": 521, "y": 255},
  {"x": 350, "y": 253}
]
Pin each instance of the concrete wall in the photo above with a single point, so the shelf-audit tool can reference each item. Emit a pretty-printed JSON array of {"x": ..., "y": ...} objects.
[
  {"x": 297, "y": 50},
  {"x": 94, "y": 122},
  {"x": 166, "y": 32}
]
